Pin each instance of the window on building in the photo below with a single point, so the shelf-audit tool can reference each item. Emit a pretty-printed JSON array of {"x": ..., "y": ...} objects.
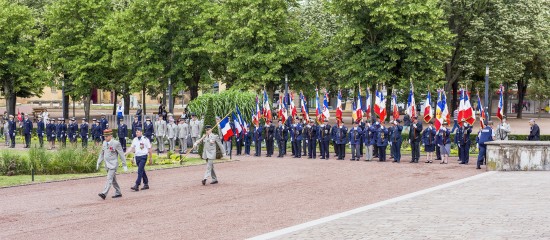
[{"x": 54, "y": 89}]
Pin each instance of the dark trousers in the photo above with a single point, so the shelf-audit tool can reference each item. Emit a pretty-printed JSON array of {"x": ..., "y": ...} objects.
[
  {"x": 361, "y": 147},
  {"x": 312, "y": 148},
  {"x": 64, "y": 141},
  {"x": 374, "y": 151},
  {"x": 342, "y": 151},
  {"x": 336, "y": 149},
  {"x": 415, "y": 151},
  {"x": 258, "y": 148},
  {"x": 84, "y": 142},
  {"x": 270, "y": 146},
  {"x": 12, "y": 137},
  {"x": 382, "y": 153},
  {"x": 396, "y": 151},
  {"x": 123, "y": 143},
  {"x": 141, "y": 161},
  {"x": 239, "y": 147},
  {"x": 27, "y": 140},
  {"x": 437, "y": 153},
  {"x": 464, "y": 154},
  {"x": 41, "y": 140},
  {"x": 247, "y": 148},
  {"x": 323, "y": 145},
  {"x": 481, "y": 156},
  {"x": 282, "y": 147},
  {"x": 292, "y": 148},
  {"x": 297, "y": 144}
]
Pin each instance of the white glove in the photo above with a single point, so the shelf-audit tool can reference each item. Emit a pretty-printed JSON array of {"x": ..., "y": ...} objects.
[
  {"x": 390, "y": 143},
  {"x": 439, "y": 145},
  {"x": 477, "y": 145},
  {"x": 307, "y": 141},
  {"x": 125, "y": 168},
  {"x": 409, "y": 141},
  {"x": 395, "y": 122},
  {"x": 382, "y": 127}
]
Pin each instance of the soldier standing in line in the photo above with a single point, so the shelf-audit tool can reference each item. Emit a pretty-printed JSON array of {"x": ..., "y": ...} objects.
[
  {"x": 110, "y": 152},
  {"x": 122, "y": 133},
  {"x": 40, "y": 131},
  {"x": 362, "y": 126},
  {"x": 183, "y": 134},
  {"x": 334, "y": 136},
  {"x": 73, "y": 131},
  {"x": 281, "y": 135},
  {"x": 258, "y": 138},
  {"x": 428, "y": 140},
  {"x": 160, "y": 132},
  {"x": 297, "y": 137},
  {"x": 84, "y": 133},
  {"x": 367, "y": 140},
  {"x": 247, "y": 141},
  {"x": 305, "y": 134},
  {"x": 395, "y": 140},
  {"x": 341, "y": 140},
  {"x": 195, "y": 126},
  {"x": 171, "y": 134},
  {"x": 62, "y": 132},
  {"x": 486, "y": 135},
  {"x": 149, "y": 130},
  {"x": 312, "y": 135},
  {"x": 239, "y": 140},
  {"x": 210, "y": 141},
  {"x": 355, "y": 134},
  {"x": 27, "y": 130},
  {"x": 324, "y": 139},
  {"x": 376, "y": 127},
  {"x": 464, "y": 142},
  {"x": 444, "y": 142},
  {"x": 382, "y": 142},
  {"x": 51, "y": 131},
  {"x": 93, "y": 129},
  {"x": 269, "y": 133},
  {"x": 135, "y": 124},
  {"x": 103, "y": 124},
  {"x": 12, "y": 128},
  {"x": 415, "y": 136}
]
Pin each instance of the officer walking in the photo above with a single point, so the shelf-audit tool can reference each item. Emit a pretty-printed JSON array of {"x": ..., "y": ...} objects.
[
  {"x": 12, "y": 129},
  {"x": 183, "y": 134},
  {"x": 382, "y": 141},
  {"x": 281, "y": 135},
  {"x": 464, "y": 142},
  {"x": 40, "y": 127},
  {"x": 341, "y": 140},
  {"x": 110, "y": 152},
  {"x": 142, "y": 148},
  {"x": 355, "y": 135},
  {"x": 486, "y": 135},
  {"x": 415, "y": 136},
  {"x": 311, "y": 139},
  {"x": 258, "y": 138},
  {"x": 395, "y": 140},
  {"x": 27, "y": 130},
  {"x": 122, "y": 133},
  {"x": 269, "y": 132},
  {"x": 210, "y": 141},
  {"x": 324, "y": 139},
  {"x": 297, "y": 139},
  {"x": 84, "y": 133},
  {"x": 428, "y": 140}
]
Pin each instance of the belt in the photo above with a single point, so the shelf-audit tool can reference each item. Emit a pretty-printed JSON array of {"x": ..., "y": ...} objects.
[{"x": 141, "y": 156}]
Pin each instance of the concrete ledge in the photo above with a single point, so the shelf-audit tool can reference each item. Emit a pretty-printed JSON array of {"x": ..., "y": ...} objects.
[{"x": 518, "y": 156}]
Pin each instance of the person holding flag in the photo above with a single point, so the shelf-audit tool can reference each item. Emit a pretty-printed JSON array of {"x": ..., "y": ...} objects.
[
  {"x": 281, "y": 135},
  {"x": 395, "y": 109},
  {"x": 296, "y": 134},
  {"x": 415, "y": 136},
  {"x": 339, "y": 106},
  {"x": 267, "y": 108},
  {"x": 239, "y": 134},
  {"x": 227, "y": 133},
  {"x": 324, "y": 139},
  {"x": 503, "y": 129},
  {"x": 428, "y": 108},
  {"x": 210, "y": 141}
]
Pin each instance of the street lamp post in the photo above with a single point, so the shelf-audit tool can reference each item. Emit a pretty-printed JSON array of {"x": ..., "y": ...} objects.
[
  {"x": 487, "y": 107},
  {"x": 170, "y": 98},
  {"x": 63, "y": 98}
]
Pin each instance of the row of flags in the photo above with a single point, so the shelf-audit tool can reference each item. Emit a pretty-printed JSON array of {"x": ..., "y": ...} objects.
[{"x": 286, "y": 103}]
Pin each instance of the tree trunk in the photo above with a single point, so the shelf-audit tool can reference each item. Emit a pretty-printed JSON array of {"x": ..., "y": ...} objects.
[
  {"x": 87, "y": 101},
  {"x": 143, "y": 105},
  {"x": 66, "y": 107},
  {"x": 10, "y": 97},
  {"x": 194, "y": 88},
  {"x": 115, "y": 103},
  {"x": 454, "y": 101},
  {"x": 522, "y": 90},
  {"x": 388, "y": 103},
  {"x": 126, "y": 98}
]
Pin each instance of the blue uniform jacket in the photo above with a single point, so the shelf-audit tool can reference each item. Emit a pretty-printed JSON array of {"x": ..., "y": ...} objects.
[
  {"x": 296, "y": 132},
  {"x": 415, "y": 134},
  {"x": 27, "y": 126},
  {"x": 135, "y": 125},
  {"x": 382, "y": 137},
  {"x": 247, "y": 138},
  {"x": 373, "y": 133},
  {"x": 281, "y": 133},
  {"x": 311, "y": 133},
  {"x": 462, "y": 136},
  {"x": 428, "y": 136},
  {"x": 84, "y": 130},
  {"x": 342, "y": 135},
  {"x": 122, "y": 131},
  {"x": 444, "y": 137},
  {"x": 149, "y": 130},
  {"x": 40, "y": 128},
  {"x": 12, "y": 128},
  {"x": 324, "y": 133},
  {"x": 355, "y": 135},
  {"x": 61, "y": 130},
  {"x": 258, "y": 134},
  {"x": 395, "y": 134},
  {"x": 103, "y": 123},
  {"x": 486, "y": 135}
]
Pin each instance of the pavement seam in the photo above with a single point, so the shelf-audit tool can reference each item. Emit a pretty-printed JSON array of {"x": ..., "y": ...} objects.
[{"x": 291, "y": 229}]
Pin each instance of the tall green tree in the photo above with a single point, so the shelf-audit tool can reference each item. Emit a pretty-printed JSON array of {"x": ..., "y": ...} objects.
[
  {"x": 19, "y": 71},
  {"x": 72, "y": 49}
]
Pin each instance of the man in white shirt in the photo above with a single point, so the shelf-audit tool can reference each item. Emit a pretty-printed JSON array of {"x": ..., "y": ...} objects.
[
  {"x": 141, "y": 147},
  {"x": 119, "y": 111}
]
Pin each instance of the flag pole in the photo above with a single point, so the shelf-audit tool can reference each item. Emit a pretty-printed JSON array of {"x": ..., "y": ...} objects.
[{"x": 200, "y": 139}]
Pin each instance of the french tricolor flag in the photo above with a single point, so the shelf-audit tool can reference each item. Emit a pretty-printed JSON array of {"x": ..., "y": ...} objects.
[{"x": 227, "y": 132}]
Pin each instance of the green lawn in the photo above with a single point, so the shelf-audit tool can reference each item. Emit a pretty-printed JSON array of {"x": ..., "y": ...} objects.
[{"x": 6, "y": 181}]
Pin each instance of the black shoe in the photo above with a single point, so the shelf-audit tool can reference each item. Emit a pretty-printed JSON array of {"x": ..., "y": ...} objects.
[
  {"x": 461, "y": 163},
  {"x": 145, "y": 187},
  {"x": 322, "y": 158},
  {"x": 204, "y": 182},
  {"x": 412, "y": 161},
  {"x": 101, "y": 195},
  {"x": 135, "y": 188},
  {"x": 214, "y": 182},
  {"x": 117, "y": 196},
  {"x": 478, "y": 167}
]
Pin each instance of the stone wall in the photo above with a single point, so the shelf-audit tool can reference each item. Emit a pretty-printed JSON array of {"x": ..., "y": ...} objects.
[{"x": 518, "y": 156}]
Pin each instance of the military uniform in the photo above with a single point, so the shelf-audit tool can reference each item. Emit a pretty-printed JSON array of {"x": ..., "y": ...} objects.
[
  {"x": 462, "y": 139},
  {"x": 122, "y": 134},
  {"x": 110, "y": 152},
  {"x": 135, "y": 125},
  {"x": 486, "y": 135},
  {"x": 209, "y": 154},
  {"x": 12, "y": 128},
  {"x": 296, "y": 134},
  {"x": 27, "y": 131},
  {"x": 382, "y": 142},
  {"x": 304, "y": 140},
  {"x": 149, "y": 130},
  {"x": 247, "y": 142},
  {"x": 183, "y": 134},
  {"x": 61, "y": 132},
  {"x": 51, "y": 131},
  {"x": 84, "y": 133},
  {"x": 311, "y": 139},
  {"x": 195, "y": 127},
  {"x": 269, "y": 133},
  {"x": 40, "y": 127},
  {"x": 395, "y": 141},
  {"x": 72, "y": 130},
  {"x": 103, "y": 125},
  {"x": 160, "y": 133},
  {"x": 367, "y": 137},
  {"x": 258, "y": 138},
  {"x": 415, "y": 136},
  {"x": 171, "y": 134},
  {"x": 355, "y": 135},
  {"x": 341, "y": 140},
  {"x": 324, "y": 139},
  {"x": 281, "y": 135}
]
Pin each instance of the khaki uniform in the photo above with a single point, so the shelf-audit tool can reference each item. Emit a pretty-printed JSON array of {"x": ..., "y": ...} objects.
[
  {"x": 110, "y": 152},
  {"x": 209, "y": 154}
]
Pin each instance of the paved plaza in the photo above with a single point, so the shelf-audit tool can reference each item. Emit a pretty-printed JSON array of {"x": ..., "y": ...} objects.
[{"x": 493, "y": 205}]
